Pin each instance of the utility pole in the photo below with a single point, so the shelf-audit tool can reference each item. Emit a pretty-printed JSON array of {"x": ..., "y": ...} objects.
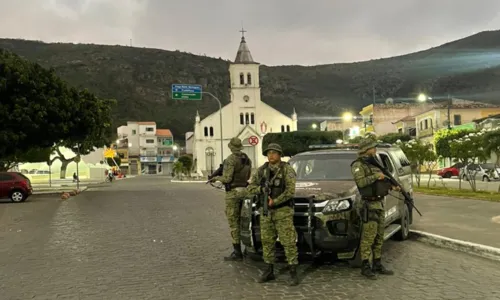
[{"x": 449, "y": 106}]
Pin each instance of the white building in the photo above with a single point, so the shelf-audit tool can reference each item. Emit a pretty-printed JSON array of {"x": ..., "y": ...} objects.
[
  {"x": 145, "y": 147},
  {"x": 245, "y": 117}
]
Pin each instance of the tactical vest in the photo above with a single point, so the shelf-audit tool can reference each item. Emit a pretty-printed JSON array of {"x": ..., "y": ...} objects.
[
  {"x": 377, "y": 189},
  {"x": 277, "y": 185},
  {"x": 242, "y": 170}
]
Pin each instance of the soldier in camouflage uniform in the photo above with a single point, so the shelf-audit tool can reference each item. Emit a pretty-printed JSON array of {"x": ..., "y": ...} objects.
[
  {"x": 279, "y": 222},
  {"x": 236, "y": 172},
  {"x": 369, "y": 180}
]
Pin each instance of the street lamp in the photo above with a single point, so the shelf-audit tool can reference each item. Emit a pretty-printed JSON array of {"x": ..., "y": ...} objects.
[
  {"x": 423, "y": 98},
  {"x": 314, "y": 126},
  {"x": 176, "y": 149},
  {"x": 347, "y": 116}
]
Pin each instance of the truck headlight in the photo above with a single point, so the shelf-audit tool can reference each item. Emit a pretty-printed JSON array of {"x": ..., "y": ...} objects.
[{"x": 337, "y": 205}]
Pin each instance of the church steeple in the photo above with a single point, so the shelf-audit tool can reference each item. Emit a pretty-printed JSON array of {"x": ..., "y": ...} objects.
[{"x": 243, "y": 56}]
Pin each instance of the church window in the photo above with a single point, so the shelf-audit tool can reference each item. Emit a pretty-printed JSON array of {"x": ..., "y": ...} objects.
[
  {"x": 249, "y": 78},
  {"x": 211, "y": 131},
  {"x": 205, "y": 131},
  {"x": 252, "y": 118},
  {"x": 288, "y": 128},
  {"x": 282, "y": 128},
  {"x": 242, "y": 78},
  {"x": 247, "y": 121},
  {"x": 242, "y": 122}
]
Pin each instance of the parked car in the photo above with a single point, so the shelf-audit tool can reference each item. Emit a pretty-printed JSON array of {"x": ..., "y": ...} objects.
[
  {"x": 484, "y": 172},
  {"x": 15, "y": 186},
  {"x": 451, "y": 171},
  {"x": 327, "y": 204}
]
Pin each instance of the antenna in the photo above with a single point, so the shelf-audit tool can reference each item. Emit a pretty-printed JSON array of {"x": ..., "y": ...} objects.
[{"x": 389, "y": 101}]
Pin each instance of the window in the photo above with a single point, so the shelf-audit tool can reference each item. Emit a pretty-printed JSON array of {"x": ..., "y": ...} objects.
[
  {"x": 211, "y": 131},
  {"x": 242, "y": 121},
  {"x": 134, "y": 132},
  {"x": 159, "y": 140},
  {"x": 426, "y": 124},
  {"x": 282, "y": 128},
  {"x": 323, "y": 167},
  {"x": 249, "y": 78},
  {"x": 387, "y": 162},
  {"x": 150, "y": 141},
  {"x": 247, "y": 121},
  {"x": 150, "y": 129},
  {"x": 205, "y": 131},
  {"x": 457, "y": 120},
  {"x": 252, "y": 118},
  {"x": 288, "y": 128},
  {"x": 242, "y": 78},
  {"x": 400, "y": 130},
  {"x": 421, "y": 125}
]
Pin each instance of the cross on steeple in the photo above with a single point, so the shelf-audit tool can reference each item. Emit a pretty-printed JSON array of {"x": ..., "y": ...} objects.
[{"x": 242, "y": 32}]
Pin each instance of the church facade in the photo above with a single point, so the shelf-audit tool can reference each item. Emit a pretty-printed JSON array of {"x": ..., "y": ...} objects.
[{"x": 245, "y": 117}]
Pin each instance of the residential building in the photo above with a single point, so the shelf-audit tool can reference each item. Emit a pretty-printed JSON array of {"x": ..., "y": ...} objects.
[
  {"x": 488, "y": 122},
  {"x": 381, "y": 118},
  {"x": 138, "y": 141},
  {"x": 406, "y": 126},
  {"x": 245, "y": 117}
]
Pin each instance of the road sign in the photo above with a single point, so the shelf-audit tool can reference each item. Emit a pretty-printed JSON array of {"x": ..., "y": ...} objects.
[
  {"x": 253, "y": 140},
  {"x": 186, "y": 91}
]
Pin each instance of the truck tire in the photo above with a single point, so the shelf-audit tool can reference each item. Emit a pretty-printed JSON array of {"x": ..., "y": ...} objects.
[{"x": 404, "y": 232}]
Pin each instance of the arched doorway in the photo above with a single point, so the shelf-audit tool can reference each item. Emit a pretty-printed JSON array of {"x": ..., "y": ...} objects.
[{"x": 210, "y": 159}]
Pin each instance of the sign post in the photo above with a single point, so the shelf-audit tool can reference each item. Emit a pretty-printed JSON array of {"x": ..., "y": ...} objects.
[{"x": 195, "y": 92}]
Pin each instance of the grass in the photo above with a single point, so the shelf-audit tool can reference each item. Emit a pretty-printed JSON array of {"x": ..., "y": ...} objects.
[{"x": 456, "y": 193}]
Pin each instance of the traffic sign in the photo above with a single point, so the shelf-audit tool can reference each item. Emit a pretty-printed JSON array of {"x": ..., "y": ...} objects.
[
  {"x": 253, "y": 140},
  {"x": 186, "y": 91}
]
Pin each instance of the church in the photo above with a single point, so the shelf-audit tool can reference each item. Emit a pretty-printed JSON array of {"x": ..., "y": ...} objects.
[{"x": 245, "y": 117}]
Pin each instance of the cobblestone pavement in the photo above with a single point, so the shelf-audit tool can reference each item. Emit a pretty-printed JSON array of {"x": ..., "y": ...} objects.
[{"x": 146, "y": 238}]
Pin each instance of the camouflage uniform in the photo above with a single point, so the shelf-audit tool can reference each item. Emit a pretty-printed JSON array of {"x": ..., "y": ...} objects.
[
  {"x": 279, "y": 222},
  {"x": 233, "y": 199},
  {"x": 372, "y": 236}
]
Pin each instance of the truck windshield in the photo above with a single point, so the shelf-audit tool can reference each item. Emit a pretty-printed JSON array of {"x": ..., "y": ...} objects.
[{"x": 335, "y": 166}]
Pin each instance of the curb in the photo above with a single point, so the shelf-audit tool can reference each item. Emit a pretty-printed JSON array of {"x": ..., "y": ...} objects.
[
  {"x": 187, "y": 181},
  {"x": 458, "y": 245},
  {"x": 58, "y": 192}
]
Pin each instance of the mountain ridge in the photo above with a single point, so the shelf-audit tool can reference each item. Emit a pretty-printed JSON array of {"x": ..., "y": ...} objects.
[{"x": 140, "y": 78}]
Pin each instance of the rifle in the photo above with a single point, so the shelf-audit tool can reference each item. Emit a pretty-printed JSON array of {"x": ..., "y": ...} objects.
[
  {"x": 407, "y": 197},
  {"x": 265, "y": 191},
  {"x": 217, "y": 172}
]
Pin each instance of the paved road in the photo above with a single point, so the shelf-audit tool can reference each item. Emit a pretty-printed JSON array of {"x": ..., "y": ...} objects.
[
  {"x": 146, "y": 238},
  {"x": 463, "y": 219},
  {"x": 454, "y": 183}
]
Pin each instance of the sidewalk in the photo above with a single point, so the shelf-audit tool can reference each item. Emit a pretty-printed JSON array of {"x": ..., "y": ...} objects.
[
  {"x": 56, "y": 190},
  {"x": 461, "y": 219}
]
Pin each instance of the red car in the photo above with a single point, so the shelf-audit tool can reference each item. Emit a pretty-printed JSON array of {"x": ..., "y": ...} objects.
[
  {"x": 15, "y": 186},
  {"x": 450, "y": 171}
]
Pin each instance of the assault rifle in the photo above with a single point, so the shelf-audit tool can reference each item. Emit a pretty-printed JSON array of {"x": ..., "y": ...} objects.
[
  {"x": 407, "y": 197},
  {"x": 217, "y": 172},
  {"x": 265, "y": 192}
]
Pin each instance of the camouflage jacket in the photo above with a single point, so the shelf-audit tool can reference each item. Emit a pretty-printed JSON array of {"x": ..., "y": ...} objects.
[
  {"x": 290, "y": 179},
  {"x": 228, "y": 168},
  {"x": 365, "y": 174}
]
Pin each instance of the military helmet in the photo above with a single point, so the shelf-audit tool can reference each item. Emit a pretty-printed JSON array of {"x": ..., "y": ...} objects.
[
  {"x": 235, "y": 144},
  {"x": 273, "y": 146},
  {"x": 367, "y": 144}
]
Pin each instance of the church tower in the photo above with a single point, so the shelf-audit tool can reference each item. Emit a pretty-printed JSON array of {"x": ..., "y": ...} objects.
[{"x": 244, "y": 73}]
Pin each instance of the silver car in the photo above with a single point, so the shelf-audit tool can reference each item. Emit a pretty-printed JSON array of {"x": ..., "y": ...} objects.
[{"x": 484, "y": 172}]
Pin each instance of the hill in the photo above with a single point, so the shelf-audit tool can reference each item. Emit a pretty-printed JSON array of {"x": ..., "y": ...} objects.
[{"x": 140, "y": 78}]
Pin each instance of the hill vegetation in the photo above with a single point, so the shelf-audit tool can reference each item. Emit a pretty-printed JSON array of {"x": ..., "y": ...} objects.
[{"x": 140, "y": 78}]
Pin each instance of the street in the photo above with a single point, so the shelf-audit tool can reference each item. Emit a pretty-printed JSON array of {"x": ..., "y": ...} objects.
[
  {"x": 147, "y": 238},
  {"x": 454, "y": 183}
]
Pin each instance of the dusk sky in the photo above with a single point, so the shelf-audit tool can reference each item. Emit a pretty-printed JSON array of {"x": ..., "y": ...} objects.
[{"x": 278, "y": 31}]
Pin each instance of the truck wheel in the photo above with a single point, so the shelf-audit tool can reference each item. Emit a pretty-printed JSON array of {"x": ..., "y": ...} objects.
[{"x": 404, "y": 232}]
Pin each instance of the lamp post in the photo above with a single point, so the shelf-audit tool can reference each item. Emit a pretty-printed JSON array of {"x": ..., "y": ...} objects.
[{"x": 314, "y": 126}]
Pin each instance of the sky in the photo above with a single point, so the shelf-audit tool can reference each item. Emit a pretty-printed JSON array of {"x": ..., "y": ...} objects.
[{"x": 279, "y": 32}]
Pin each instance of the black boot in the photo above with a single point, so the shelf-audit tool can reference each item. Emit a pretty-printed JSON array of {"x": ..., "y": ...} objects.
[
  {"x": 366, "y": 270},
  {"x": 378, "y": 267},
  {"x": 236, "y": 255},
  {"x": 294, "y": 280},
  {"x": 268, "y": 274}
]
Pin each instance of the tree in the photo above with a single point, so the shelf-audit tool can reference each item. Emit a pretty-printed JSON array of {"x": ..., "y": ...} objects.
[
  {"x": 392, "y": 138},
  {"x": 36, "y": 109},
  {"x": 443, "y": 138},
  {"x": 299, "y": 141},
  {"x": 92, "y": 127},
  {"x": 467, "y": 150},
  {"x": 419, "y": 153},
  {"x": 32, "y": 155},
  {"x": 187, "y": 163}
]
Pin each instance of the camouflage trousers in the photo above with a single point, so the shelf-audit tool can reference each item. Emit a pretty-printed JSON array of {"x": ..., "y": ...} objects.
[
  {"x": 233, "y": 213},
  {"x": 372, "y": 236},
  {"x": 278, "y": 224}
]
